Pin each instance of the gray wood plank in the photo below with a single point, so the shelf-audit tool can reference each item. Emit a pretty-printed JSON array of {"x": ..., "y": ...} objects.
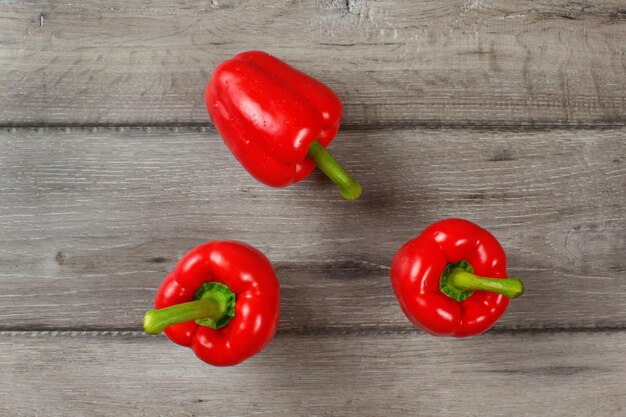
[
  {"x": 92, "y": 220},
  {"x": 396, "y": 62},
  {"x": 78, "y": 374}
]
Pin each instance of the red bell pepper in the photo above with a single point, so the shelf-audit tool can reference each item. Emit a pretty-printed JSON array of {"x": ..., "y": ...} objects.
[
  {"x": 433, "y": 279},
  {"x": 222, "y": 300},
  {"x": 276, "y": 120}
]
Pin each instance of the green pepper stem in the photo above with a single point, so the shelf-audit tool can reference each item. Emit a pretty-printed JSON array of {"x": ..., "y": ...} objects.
[
  {"x": 460, "y": 278},
  {"x": 349, "y": 188},
  {"x": 212, "y": 306}
]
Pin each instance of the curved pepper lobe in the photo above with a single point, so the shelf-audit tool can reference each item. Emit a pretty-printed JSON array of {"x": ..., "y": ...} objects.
[{"x": 269, "y": 113}]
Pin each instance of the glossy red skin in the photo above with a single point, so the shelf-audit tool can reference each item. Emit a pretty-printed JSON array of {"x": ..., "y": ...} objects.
[
  {"x": 269, "y": 113},
  {"x": 418, "y": 265},
  {"x": 248, "y": 274}
]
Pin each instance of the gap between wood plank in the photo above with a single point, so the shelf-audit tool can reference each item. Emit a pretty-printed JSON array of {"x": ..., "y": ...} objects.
[
  {"x": 431, "y": 124},
  {"x": 34, "y": 332}
]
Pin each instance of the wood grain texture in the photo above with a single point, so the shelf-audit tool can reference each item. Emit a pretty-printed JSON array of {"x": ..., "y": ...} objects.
[
  {"x": 355, "y": 375},
  {"x": 92, "y": 220},
  {"x": 396, "y": 62}
]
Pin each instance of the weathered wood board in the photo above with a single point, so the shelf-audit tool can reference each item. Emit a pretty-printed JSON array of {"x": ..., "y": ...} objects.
[
  {"x": 521, "y": 374},
  {"x": 509, "y": 114},
  {"x": 396, "y": 62},
  {"x": 92, "y": 220}
]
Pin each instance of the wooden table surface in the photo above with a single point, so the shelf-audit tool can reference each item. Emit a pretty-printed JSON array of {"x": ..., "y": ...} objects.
[{"x": 509, "y": 114}]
